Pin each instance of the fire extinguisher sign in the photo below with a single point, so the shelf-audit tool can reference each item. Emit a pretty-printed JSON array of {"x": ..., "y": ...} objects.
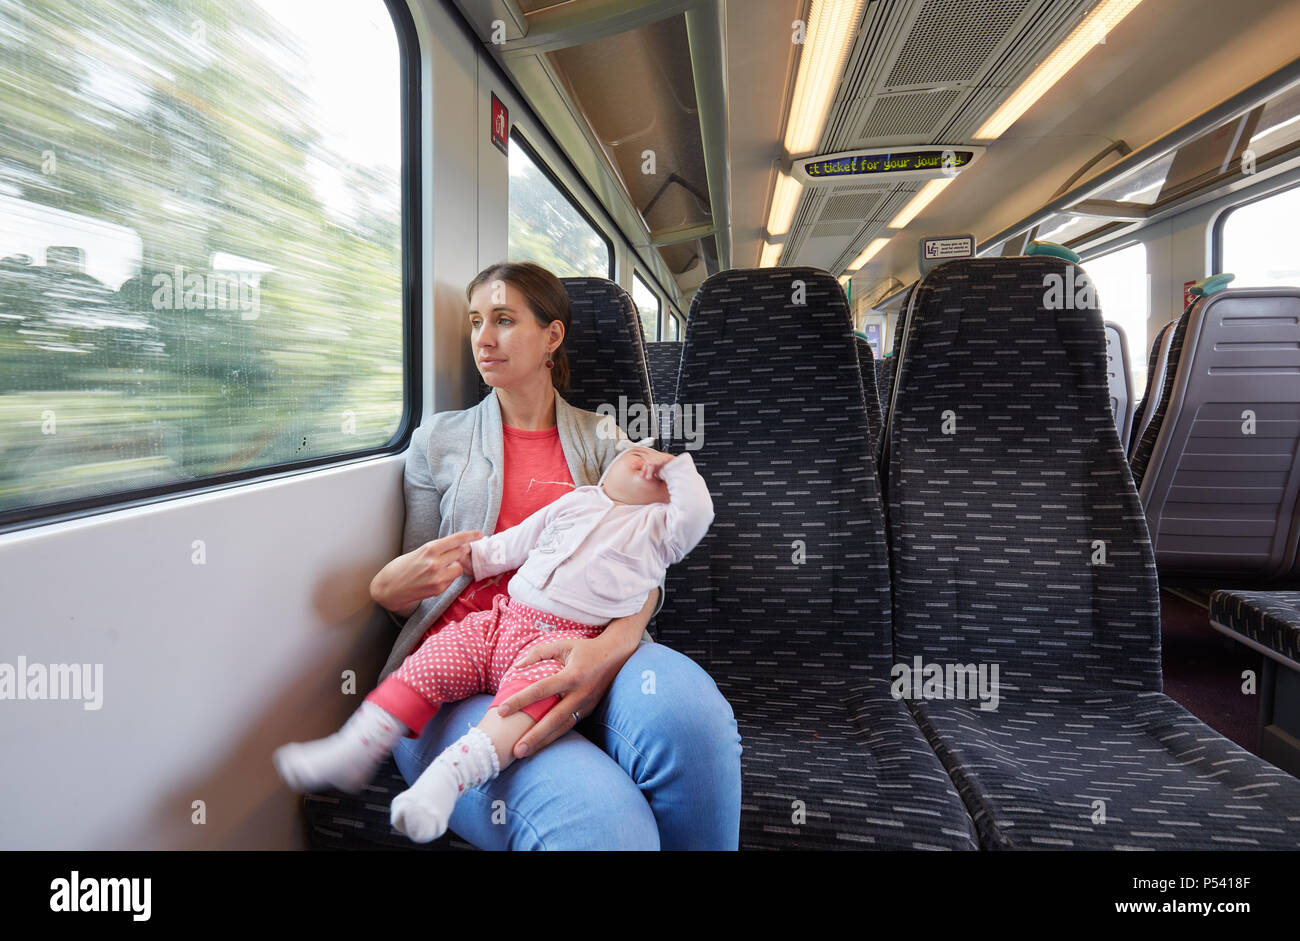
[{"x": 500, "y": 125}]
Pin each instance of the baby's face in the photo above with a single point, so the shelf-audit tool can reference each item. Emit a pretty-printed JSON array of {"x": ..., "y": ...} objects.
[{"x": 634, "y": 478}]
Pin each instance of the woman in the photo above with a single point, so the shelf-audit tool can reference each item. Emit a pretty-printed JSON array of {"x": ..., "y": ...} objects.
[{"x": 657, "y": 763}]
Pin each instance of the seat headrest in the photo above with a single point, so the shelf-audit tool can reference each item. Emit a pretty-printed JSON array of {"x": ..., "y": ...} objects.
[
  {"x": 1055, "y": 249},
  {"x": 1211, "y": 285},
  {"x": 606, "y": 350}
]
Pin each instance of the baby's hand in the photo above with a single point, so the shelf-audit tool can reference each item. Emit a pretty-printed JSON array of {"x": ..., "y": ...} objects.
[{"x": 651, "y": 461}]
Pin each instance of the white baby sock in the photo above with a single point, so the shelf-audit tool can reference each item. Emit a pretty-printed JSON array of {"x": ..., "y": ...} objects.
[
  {"x": 422, "y": 811},
  {"x": 346, "y": 760}
]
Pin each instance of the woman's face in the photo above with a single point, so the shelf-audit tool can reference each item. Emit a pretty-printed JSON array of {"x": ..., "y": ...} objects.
[{"x": 510, "y": 346}]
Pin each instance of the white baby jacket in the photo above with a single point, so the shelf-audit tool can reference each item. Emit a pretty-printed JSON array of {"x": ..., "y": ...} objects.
[{"x": 587, "y": 558}]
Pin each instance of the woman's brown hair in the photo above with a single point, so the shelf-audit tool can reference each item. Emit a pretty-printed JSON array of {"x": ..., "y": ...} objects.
[{"x": 546, "y": 297}]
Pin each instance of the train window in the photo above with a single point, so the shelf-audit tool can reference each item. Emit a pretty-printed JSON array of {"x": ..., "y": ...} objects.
[
  {"x": 546, "y": 226},
  {"x": 1123, "y": 290},
  {"x": 674, "y": 328},
  {"x": 201, "y": 244},
  {"x": 1257, "y": 241},
  {"x": 648, "y": 306}
]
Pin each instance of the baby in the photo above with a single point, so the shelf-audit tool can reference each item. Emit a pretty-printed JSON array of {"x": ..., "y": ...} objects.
[{"x": 589, "y": 557}]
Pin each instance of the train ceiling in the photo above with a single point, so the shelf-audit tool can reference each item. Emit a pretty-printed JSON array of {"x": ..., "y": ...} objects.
[{"x": 613, "y": 79}]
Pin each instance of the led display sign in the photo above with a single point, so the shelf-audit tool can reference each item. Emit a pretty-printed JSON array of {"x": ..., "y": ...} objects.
[{"x": 927, "y": 162}]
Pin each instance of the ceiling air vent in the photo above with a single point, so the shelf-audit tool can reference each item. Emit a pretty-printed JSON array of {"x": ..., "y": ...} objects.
[
  {"x": 849, "y": 206},
  {"x": 828, "y": 229},
  {"x": 913, "y": 115},
  {"x": 951, "y": 41}
]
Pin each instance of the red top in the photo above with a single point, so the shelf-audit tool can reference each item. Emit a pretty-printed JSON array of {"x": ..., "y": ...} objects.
[{"x": 536, "y": 474}]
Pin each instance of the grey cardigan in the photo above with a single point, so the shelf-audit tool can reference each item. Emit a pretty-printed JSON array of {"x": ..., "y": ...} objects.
[{"x": 453, "y": 482}]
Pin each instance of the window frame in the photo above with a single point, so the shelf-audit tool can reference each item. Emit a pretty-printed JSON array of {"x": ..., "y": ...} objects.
[
  {"x": 1216, "y": 231},
  {"x": 521, "y": 131},
  {"x": 659, "y": 306},
  {"x": 681, "y": 326},
  {"x": 409, "y": 89},
  {"x": 517, "y": 137}
]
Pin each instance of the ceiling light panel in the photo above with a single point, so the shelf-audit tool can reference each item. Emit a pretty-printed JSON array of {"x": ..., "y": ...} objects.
[
  {"x": 832, "y": 27},
  {"x": 868, "y": 253},
  {"x": 784, "y": 201},
  {"x": 918, "y": 202},
  {"x": 1091, "y": 32}
]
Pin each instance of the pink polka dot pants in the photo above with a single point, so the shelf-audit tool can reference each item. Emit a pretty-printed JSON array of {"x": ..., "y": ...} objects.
[{"x": 476, "y": 655}]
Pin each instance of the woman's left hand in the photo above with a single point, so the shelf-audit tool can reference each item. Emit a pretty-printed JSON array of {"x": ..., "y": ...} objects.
[{"x": 590, "y": 665}]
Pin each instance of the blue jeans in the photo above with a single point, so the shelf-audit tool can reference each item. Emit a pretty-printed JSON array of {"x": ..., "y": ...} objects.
[{"x": 656, "y": 766}]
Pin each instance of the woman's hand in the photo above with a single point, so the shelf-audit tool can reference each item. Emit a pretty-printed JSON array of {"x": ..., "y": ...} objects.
[
  {"x": 424, "y": 572},
  {"x": 590, "y": 666}
]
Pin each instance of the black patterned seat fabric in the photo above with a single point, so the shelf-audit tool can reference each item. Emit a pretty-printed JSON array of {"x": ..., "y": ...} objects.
[
  {"x": 1146, "y": 442},
  {"x": 1155, "y": 381},
  {"x": 885, "y": 384},
  {"x": 1269, "y": 618},
  {"x": 889, "y": 374},
  {"x": 896, "y": 346},
  {"x": 867, "y": 365},
  {"x": 786, "y": 600},
  {"x": 1019, "y": 543},
  {"x": 663, "y": 358},
  {"x": 606, "y": 352}
]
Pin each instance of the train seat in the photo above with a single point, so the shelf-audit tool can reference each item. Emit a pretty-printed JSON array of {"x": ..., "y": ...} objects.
[
  {"x": 885, "y": 388},
  {"x": 1216, "y": 465},
  {"x": 900, "y": 333},
  {"x": 1270, "y": 619},
  {"x": 1157, "y": 367},
  {"x": 890, "y": 370},
  {"x": 1119, "y": 375},
  {"x": 607, "y": 361},
  {"x": 786, "y": 600},
  {"x": 1269, "y": 623},
  {"x": 868, "y": 368},
  {"x": 606, "y": 351},
  {"x": 1021, "y": 555},
  {"x": 663, "y": 358},
  {"x": 1158, "y": 364},
  {"x": 899, "y": 344}
]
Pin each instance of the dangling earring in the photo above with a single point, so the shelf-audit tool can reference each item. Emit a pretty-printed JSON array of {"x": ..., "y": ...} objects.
[{"x": 549, "y": 364}]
